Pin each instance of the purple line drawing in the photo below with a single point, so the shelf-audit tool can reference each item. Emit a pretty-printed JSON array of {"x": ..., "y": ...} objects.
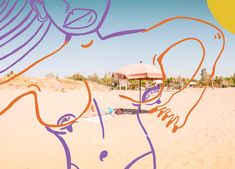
[
  {"x": 24, "y": 44},
  {"x": 4, "y": 8},
  {"x": 104, "y": 153},
  {"x": 9, "y": 12},
  {"x": 100, "y": 117},
  {"x": 77, "y": 21},
  {"x": 13, "y": 18},
  {"x": 145, "y": 96},
  {"x": 34, "y": 46},
  {"x": 2, "y": 3},
  {"x": 19, "y": 33},
  {"x": 18, "y": 26},
  {"x": 69, "y": 28},
  {"x": 62, "y": 132}
]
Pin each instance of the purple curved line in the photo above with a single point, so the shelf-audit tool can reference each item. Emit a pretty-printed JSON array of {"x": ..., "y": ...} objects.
[
  {"x": 4, "y": 7},
  {"x": 136, "y": 159},
  {"x": 84, "y": 26},
  {"x": 140, "y": 122},
  {"x": 104, "y": 15},
  {"x": 3, "y": 2},
  {"x": 12, "y": 19},
  {"x": 9, "y": 12},
  {"x": 156, "y": 102},
  {"x": 65, "y": 146},
  {"x": 119, "y": 33},
  {"x": 144, "y": 97},
  {"x": 74, "y": 165},
  {"x": 24, "y": 44},
  {"x": 62, "y": 117},
  {"x": 148, "y": 139},
  {"x": 72, "y": 34},
  {"x": 28, "y": 50},
  {"x": 18, "y": 26},
  {"x": 103, "y": 155},
  {"x": 82, "y": 9},
  {"x": 21, "y": 31},
  {"x": 40, "y": 18},
  {"x": 153, "y": 152},
  {"x": 100, "y": 118},
  {"x": 52, "y": 21},
  {"x": 67, "y": 151}
]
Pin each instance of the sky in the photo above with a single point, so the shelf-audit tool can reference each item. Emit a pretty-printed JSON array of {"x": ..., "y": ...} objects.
[{"x": 106, "y": 56}]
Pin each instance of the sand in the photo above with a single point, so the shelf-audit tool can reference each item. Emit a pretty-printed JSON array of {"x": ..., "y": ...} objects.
[{"x": 207, "y": 141}]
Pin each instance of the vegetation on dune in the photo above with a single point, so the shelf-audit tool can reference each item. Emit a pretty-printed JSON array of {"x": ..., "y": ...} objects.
[
  {"x": 171, "y": 82},
  {"x": 112, "y": 83}
]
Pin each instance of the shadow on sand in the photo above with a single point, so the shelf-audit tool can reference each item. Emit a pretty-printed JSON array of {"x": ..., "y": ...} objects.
[{"x": 129, "y": 111}]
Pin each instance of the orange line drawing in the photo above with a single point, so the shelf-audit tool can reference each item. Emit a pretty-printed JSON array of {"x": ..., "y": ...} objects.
[
  {"x": 32, "y": 92},
  {"x": 163, "y": 72},
  {"x": 153, "y": 59},
  {"x": 159, "y": 60},
  {"x": 34, "y": 64},
  {"x": 187, "y": 18},
  {"x": 88, "y": 44},
  {"x": 35, "y": 85}
]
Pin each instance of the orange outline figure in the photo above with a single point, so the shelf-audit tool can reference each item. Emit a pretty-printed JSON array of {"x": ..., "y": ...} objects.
[
  {"x": 164, "y": 110},
  {"x": 32, "y": 92},
  {"x": 160, "y": 58},
  {"x": 35, "y": 63}
]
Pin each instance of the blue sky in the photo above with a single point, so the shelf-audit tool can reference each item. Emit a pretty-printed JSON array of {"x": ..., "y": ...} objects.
[{"x": 109, "y": 55}]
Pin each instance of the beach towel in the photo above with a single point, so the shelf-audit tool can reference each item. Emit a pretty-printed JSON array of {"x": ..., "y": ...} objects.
[{"x": 119, "y": 111}]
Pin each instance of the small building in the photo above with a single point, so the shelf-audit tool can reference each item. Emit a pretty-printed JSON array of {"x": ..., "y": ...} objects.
[{"x": 123, "y": 83}]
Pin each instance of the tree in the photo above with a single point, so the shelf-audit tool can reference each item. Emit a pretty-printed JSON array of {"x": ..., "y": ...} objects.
[
  {"x": 10, "y": 74},
  {"x": 78, "y": 76},
  {"x": 106, "y": 80},
  {"x": 50, "y": 75},
  {"x": 233, "y": 80},
  {"x": 94, "y": 78},
  {"x": 204, "y": 77},
  {"x": 218, "y": 81}
]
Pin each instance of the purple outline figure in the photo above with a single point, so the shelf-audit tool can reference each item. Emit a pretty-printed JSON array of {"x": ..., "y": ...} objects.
[
  {"x": 62, "y": 132},
  {"x": 104, "y": 153},
  {"x": 78, "y": 19},
  {"x": 24, "y": 20},
  {"x": 145, "y": 97}
]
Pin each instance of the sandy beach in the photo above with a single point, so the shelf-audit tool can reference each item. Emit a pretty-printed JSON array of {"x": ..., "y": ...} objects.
[
  {"x": 206, "y": 142},
  {"x": 62, "y": 67}
]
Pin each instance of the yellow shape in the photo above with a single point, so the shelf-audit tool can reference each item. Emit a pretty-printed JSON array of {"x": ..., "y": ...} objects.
[{"x": 224, "y": 13}]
